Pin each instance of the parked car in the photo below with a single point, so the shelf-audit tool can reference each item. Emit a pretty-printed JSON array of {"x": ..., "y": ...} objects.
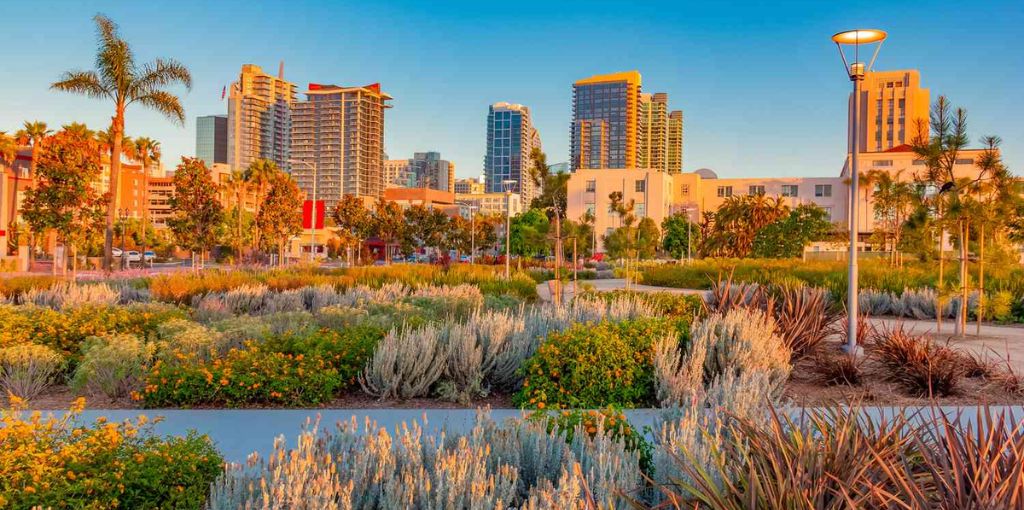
[
  {"x": 149, "y": 256},
  {"x": 115, "y": 252},
  {"x": 134, "y": 256}
]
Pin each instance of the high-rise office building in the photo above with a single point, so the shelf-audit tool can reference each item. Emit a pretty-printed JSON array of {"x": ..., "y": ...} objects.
[
  {"x": 259, "y": 124},
  {"x": 212, "y": 139},
  {"x": 511, "y": 139},
  {"x": 338, "y": 133},
  {"x": 398, "y": 174},
  {"x": 430, "y": 171},
  {"x": 891, "y": 105},
  {"x": 605, "y": 124},
  {"x": 675, "y": 142}
]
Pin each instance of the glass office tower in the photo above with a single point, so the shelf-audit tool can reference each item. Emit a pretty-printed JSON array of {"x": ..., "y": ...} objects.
[{"x": 212, "y": 139}]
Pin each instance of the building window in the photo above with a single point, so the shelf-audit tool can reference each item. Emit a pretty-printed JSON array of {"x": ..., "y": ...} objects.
[
  {"x": 790, "y": 190},
  {"x": 591, "y": 186},
  {"x": 822, "y": 190},
  {"x": 640, "y": 186},
  {"x": 590, "y": 209},
  {"x": 828, "y": 213},
  {"x": 756, "y": 190},
  {"x": 883, "y": 162},
  {"x": 724, "y": 191},
  {"x": 919, "y": 162},
  {"x": 685, "y": 190},
  {"x": 967, "y": 161},
  {"x": 641, "y": 210}
]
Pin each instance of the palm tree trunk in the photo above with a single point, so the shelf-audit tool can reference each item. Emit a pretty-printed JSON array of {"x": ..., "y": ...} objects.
[
  {"x": 145, "y": 211},
  {"x": 117, "y": 128}
]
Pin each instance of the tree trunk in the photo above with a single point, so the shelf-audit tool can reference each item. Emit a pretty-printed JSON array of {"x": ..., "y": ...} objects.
[
  {"x": 145, "y": 210},
  {"x": 939, "y": 307},
  {"x": 117, "y": 132},
  {"x": 981, "y": 274},
  {"x": 961, "y": 320}
]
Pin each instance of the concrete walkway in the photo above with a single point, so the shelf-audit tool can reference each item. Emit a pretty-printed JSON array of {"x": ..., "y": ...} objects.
[{"x": 997, "y": 342}]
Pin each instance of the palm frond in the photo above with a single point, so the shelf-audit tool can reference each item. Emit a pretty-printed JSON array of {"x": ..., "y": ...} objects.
[
  {"x": 114, "y": 60},
  {"x": 82, "y": 82},
  {"x": 165, "y": 103},
  {"x": 160, "y": 73}
]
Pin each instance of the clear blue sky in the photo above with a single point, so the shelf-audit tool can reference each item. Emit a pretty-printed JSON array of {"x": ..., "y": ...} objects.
[{"x": 760, "y": 83}]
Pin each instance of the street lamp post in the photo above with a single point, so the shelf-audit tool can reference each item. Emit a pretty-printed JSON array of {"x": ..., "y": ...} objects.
[
  {"x": 507, "y": 185},
  {"x": 312, "y": 222},
  {"x": 472, "y": 229},
  {"x": 856, "y": 71}
]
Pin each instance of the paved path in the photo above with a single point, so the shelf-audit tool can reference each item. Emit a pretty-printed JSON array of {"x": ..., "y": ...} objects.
[{"x": 995, "y": 341}]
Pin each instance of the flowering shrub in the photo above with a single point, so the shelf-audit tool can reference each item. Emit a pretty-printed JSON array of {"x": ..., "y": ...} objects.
[
  {"x": 608, "y": 421},
  {"x": 284, "y": 370},
  {"x": 57, "y": 463},
  {"x": 113, "y": 366},
  {"x": 27, "y": 369},
  {"x": 66, "y": 330},
  {"x": 590, "y": 366},
  {"x": 12, "y": 288}
]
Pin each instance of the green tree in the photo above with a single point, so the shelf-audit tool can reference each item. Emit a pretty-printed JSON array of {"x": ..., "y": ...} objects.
[
  {"x": 280, "y": 217},
  {"x": 731, "y": 230},
  {"x": 647, "y": 239},
  {"x": 119, "y": 79},
  {"x": 32, "y": 134},
  {"x": 894, "y": 203},
  {"x": 64, "y": 199},
  {"x": 678, "y": 234},
  {"x": 353, "y": 220},
  {"x": 787, "y": 238},
  {"x": 388, "y": 224},
  {"x": 237, "y": 229},
  {"x": 196, "y": 208},
  {"x": 552, "y": 197},
  {"x": 260, "y": 175},
  {"x": 528, "y": 232}
]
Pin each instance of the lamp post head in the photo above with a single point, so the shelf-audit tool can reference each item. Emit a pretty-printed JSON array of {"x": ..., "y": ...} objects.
[{"x": 857, "y": 38}]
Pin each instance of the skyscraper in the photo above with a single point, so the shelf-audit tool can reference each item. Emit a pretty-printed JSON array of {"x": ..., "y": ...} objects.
[
  {"x": 432, "y": 172},
  {"x": 511, "y": 138},
  {"x": 891, "y": 103},
  {"x": 675, "y": 142},
  {"x": 605, "y": 124},
  {"x": 212, "y": 139},
  {"x": 259, "y": 124},
  {"x": 339, "y": 133},
  {"x": 398, "y": 174},
  {"x": 652, "y": 150}
]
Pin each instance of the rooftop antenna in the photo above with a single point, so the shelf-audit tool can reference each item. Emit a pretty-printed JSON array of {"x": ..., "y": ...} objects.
[{"x": 280, "y": 70}]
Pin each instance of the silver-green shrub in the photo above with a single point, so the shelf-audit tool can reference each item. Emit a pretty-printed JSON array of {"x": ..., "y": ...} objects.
[
  {"x": 515, "y": 465},
  {"x": 474, "y": 350},
  {"x": 70, "y": 294},
  {"x": 406, "y": 363},
  {"x": 113, "y": 366},
  {"x": 236, "y": 331},
  {"x": 740, "y": 341},
  {"x": 26, "y": 370}
]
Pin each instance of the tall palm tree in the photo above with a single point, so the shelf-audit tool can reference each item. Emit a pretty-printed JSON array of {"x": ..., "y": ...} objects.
[
  {"x": 259, "y": 175},
  {"x": 146, "y": 151},
  {"x": 119, "y": 79},
  {"x": 31, "y": 134},
  {"x": 8, "y": 148},
  {"x": 105, "y": 143}
]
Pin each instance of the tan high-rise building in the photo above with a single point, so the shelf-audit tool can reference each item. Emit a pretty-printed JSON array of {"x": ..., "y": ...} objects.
[
  {"x": 605, "y": 123},
  {"x": 338, "y": 132},
  {"x": 892, "y": 104},
  {"x": 675, "y": 142},
  {"x": 660, "y": 145},
  {"x": 259, "y": 124}
]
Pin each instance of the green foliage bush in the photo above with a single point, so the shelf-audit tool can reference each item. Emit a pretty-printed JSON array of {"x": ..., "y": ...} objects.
[
  {"x": 290, "y": 370},
  {"x": 607, "y": 421},
  {"x": 594, "y": 365}
]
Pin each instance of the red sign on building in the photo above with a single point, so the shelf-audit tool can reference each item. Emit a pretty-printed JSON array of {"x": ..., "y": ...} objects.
[{"x": 307, "y": 214}]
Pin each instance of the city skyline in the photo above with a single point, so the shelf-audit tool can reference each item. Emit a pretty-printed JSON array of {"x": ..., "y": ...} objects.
[{"x": 749, "y": 100}]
